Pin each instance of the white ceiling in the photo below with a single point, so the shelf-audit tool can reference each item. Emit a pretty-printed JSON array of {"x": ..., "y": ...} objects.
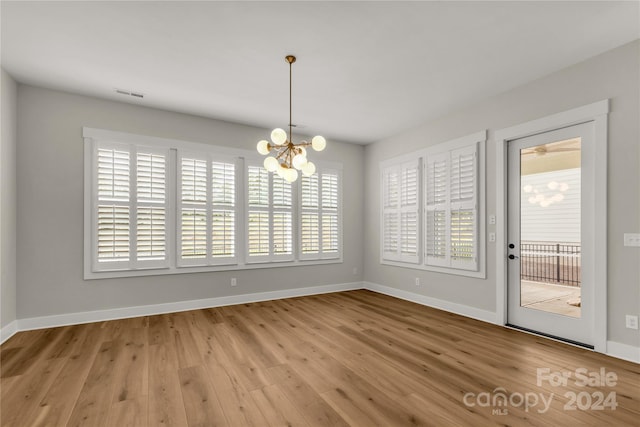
[{"x": 365, "y": 70}]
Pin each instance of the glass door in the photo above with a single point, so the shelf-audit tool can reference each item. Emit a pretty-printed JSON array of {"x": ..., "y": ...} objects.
[{"x": 547, "y": 291}]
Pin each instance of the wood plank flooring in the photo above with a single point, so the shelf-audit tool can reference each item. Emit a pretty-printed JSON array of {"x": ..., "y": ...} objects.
[{"x": 353, "y": 358}]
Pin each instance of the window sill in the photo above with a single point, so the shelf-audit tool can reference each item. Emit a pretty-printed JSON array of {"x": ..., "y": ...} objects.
[
  {"x": 111, "y": 274},
  {"x": 445, "y": 270}
]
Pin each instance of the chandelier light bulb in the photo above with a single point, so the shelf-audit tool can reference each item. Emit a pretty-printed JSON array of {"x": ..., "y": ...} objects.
[
  {"x": 318, "y": 143},
  {"x": 299, "y": 161},
  {"x": 308, "y": 169},
  {"x": 271, "y": 164},
  {"x": 303, "y": 151},
  {"x": 281, "y": 170},
  {"x": 263, "y": 147},
  {"x": 291, "y": 175},
  {"x": 278, "y": 136}
]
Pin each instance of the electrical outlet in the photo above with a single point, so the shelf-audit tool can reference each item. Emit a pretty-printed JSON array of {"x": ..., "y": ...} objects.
[
  {"x": 632, "y": 239},
  {"x": 233, "y": 281},
  {"x": 492, "y": 237},
  {"x": 417, "y": 281},
  {"x": 631, "y": 321},
  {"x": 492, "y": 220}
]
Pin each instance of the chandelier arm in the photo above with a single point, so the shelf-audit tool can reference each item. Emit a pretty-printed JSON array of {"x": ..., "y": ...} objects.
[{"x": 290, "y": 101}]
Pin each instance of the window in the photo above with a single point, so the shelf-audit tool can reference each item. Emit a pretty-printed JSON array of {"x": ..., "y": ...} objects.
[
  {"x": 430, "y": 207},
  {"x": 320, "y": 215},
  {"x": 207, "y": 209},
  {"x": 129, "y": 207},
  {"x": 451, "y": 209},
  {"x": 400, "y": 211},
  {"x": 159, "y": 206},
  {"x": 269, "y": 216}
]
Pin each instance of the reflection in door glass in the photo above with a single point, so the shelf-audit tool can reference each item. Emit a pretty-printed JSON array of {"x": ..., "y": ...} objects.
[{"x": 550, "y": 227}]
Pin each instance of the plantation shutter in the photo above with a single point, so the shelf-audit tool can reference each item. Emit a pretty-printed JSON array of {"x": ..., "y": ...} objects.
[
  {"x": 451, "y": 209},
  {"x": 193, "y": 210},
  {"x": 258, "y": 215},
  {"x": 400, "y": 212},
  {"x": 319, "y": 215},
  {"x": 269, "y": 216},
  {"x": 129, "y": 207},
  {"x": 223, "y": 210},
  {"x": 113, "y": 206},
  {"x": 437, "y": 210},
  {"x": 390, "y": 215},
  {"x": 282, "y": 229},
  {"x": 329, "y": 215},
  {"x": 207, "y": 210},
  {"x": 464, "y": 211},
  {"x": 409, "y": 211},
  {"x": 310, "y": 217},
  {"x": 151, "y": 207}
]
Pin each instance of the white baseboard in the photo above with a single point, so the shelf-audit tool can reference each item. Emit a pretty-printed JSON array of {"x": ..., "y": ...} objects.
[
  {"x": 8, "y": 331},
  {"x": 463, "y": 310},
  {"x": 173, "y": 307},
  {"x": 623, "y": 351}
]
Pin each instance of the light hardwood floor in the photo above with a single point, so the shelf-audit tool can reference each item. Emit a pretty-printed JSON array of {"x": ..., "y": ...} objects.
[{"x": 353, "y": 358}]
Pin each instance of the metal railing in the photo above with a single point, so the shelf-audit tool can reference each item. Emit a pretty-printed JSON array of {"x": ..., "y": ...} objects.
[{"x": 545, "y": 262}]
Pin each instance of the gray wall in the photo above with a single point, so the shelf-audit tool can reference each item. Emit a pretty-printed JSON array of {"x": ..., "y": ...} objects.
[
  {"x": 8, "y": 141},
  {"x": 50, "y": 208},
  {"x": 615, "y": 75}
]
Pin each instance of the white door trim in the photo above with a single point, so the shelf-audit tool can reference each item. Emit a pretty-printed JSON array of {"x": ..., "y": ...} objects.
[{"x": 596, "y": 113}]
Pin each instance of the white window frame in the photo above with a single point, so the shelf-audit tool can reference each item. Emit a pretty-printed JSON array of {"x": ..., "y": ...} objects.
[
  {"x": 271, "y": 209},
  {"x": 208, "y": 157},
  {"x": 327, "y": 169},
  {"x": 93, "y": 137},
  {"x": 450, "y": 205},
  {"x": 443, "y": 149},
  {"x": 133, "y": 204}
]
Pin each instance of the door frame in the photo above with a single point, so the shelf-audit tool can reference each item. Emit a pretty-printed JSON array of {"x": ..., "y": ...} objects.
[{"x": 596, "y": 113}]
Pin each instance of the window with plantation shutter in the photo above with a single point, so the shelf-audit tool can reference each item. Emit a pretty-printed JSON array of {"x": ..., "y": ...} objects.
[
  {"x": 400, "y": 235},
  {"x": 431, "y": 202},
  {"x": 320, "y": 233},
  {"x": 155, "y": 206},
  {"x": 451, "y": 232},
  {"x": 130, "y": 207},
  {"x": 207, "y": 209},
  {"x": 269, "y": 235}
]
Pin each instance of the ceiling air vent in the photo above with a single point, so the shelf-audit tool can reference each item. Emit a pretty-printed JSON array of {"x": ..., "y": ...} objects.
[{"x": 129, "y": 93}]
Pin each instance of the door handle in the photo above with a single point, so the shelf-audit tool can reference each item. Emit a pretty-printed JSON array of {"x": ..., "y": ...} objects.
[{"x": 512, "y": 256}]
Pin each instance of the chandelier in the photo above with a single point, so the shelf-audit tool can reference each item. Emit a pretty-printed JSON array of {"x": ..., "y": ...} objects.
[{"x": 287, "y": 158}]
